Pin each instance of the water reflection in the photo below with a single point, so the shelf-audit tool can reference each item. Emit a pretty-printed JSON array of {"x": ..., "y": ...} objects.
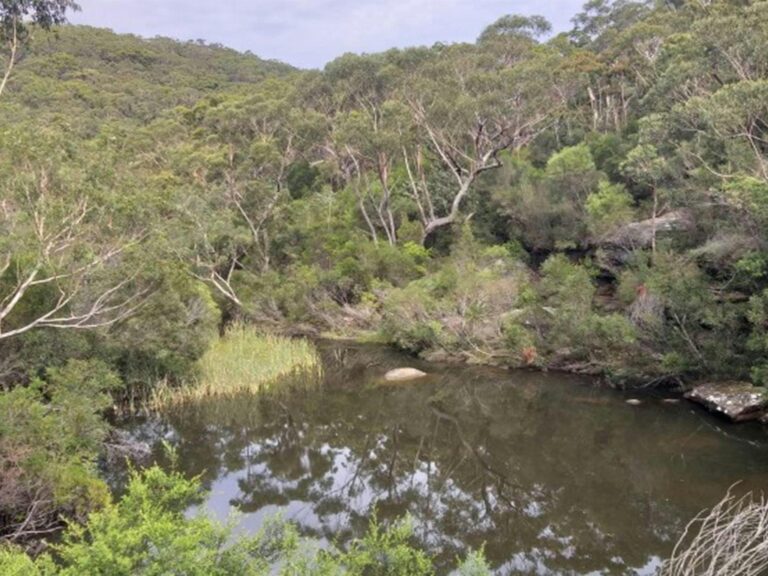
[{"x": 553, "y": 474}]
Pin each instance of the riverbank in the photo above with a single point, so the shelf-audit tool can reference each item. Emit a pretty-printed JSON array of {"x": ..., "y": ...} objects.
[
  {"x": 480, "y": 306},
  {"x": 734, "y": 401}
]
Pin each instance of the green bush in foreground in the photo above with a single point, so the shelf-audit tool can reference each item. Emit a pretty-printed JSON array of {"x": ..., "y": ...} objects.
[
  {"x": 148, "y": 534},
  {"x": 50, "y": 435}
]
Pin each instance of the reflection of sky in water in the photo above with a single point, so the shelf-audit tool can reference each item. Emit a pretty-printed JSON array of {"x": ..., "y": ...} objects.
[
  {"x": 534, "y": 562},
  {"x": 552, "y": 475}
]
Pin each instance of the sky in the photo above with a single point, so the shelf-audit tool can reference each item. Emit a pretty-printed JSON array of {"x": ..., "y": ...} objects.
[{"x": 310, "y": 33}]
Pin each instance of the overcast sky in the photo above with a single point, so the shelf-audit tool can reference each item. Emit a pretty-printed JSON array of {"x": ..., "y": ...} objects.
[{"x": 309, "y": 33}]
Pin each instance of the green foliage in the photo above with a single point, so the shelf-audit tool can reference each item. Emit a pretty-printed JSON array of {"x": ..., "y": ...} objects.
[
  {"x": 16, "y": 16},
  {"x": 758, "y": 339},
  {"x": 461, "y": 200},
  {"x": 15, "y": 562},
  {"x": 566, "y": 284},
  {"x": 167, "y": 336},
  {"x": 463, "y": 304},
  {"x": 302, "y": 179},
  {"x": 676, "y": 311},
  {"x": 544, "y": 209},
  {"x": 50, "y": 435},
  {"x": 387, "y": 553},
  {"x": 572, "y": 172},
  {"x": 91, "y": 75},
  {"x": 753, "y": 266},
  {"x": 307, "y": 198},
  {"x": 751, "y": 195},
  {"x": 609, "y": 153},
  {"x": 523, "y": 26},
  {"x": 644, "y": 165},
  {"x": 608, "y": 208},
  {"x": 149, "y": 533},
  {"x": 568, "y": 327},
  {"x": 407, "y": 318}
]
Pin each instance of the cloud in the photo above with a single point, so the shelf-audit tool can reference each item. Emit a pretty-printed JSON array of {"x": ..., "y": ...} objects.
[{"x": 309, "y": 33}]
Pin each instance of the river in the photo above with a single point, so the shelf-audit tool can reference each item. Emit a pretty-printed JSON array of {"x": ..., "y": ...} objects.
[{"x": 553, "y": 474}]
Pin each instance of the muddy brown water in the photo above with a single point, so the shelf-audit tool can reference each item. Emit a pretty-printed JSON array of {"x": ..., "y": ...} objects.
[{"x": 552, "y": 474}]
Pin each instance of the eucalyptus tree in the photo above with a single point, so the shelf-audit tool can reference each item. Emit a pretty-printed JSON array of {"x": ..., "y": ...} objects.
[
  {"x": 68, "y": 240},
  {"x": 366, "y": 135},
  {"x": 469, "y": 106},
  {"x": 713, "y": 88},
  {"x": 242, "y": 147},
  {"x": 15, "y": 19},
  {"x": 601, "y": 20},
  {"x": 731, "y": 107},
  {"x": 375, "y": 155}
]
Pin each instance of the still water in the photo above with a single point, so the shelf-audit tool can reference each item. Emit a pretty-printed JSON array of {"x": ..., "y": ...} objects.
[{"x": 553, "y": 474}]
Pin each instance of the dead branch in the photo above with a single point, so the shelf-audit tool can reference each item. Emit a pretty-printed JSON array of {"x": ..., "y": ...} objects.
[{"x": 731, "y": 539}]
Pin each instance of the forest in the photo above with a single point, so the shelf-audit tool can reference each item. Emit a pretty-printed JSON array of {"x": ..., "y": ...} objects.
[{"x": 593, "y": 202}]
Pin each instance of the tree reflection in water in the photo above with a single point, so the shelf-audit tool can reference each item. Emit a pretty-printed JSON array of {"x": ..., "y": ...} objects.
[{"x": 552, "y": 473}]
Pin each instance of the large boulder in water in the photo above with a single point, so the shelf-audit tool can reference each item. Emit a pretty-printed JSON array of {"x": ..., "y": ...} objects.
[
  {"x": 403, "y": 375},
  {"x": 739, "y": 401}
]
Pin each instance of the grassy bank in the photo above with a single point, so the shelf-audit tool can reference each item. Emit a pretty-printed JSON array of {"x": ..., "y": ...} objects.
[{"x": 246, "y": 360}]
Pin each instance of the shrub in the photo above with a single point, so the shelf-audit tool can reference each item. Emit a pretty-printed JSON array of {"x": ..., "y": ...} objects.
[
  {"x": 677, "y": 314},
  {"x": 751, "y": 195},
  {"x": 50, "y": 435},
  {"x": 461, "y": 307},
  {"x": 149, "y": 533},
  {"x": 571, "y": 172},
  {"x": 608, "y": 208},
  {"x": 407, "y": 317},
  {"x": 566, "y": 321}
]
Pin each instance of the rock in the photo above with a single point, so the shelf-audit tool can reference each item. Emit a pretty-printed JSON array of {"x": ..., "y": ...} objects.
[
  {"x": 617, "y": 247},
  {"x": 640, "y": 234},
  {"x": 634, "y": 402},
  {"x": 739, "y": 401},
  {"x": 440, "y": 356},
  {"x": 403, "y": 375}
]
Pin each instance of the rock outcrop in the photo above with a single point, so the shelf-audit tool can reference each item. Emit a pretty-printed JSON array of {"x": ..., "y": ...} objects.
[
  {"x": 738, "y": 401},
  {"x": 617, "y": 247}
]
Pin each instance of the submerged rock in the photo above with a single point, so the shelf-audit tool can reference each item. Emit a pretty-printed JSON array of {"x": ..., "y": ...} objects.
[
  {"x": 739, "y": 401},
  {"x": 403, "y": 374},
  {"x": 121, "y": 446}
]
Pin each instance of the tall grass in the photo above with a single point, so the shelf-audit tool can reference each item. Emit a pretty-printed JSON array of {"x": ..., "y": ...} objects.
[{"x": 246, "y": 360}]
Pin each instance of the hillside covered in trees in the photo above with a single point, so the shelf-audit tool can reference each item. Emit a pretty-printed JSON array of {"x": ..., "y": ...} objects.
[
  {"x": 593, "y": 201},
  {"x": 590, "y": 202}
]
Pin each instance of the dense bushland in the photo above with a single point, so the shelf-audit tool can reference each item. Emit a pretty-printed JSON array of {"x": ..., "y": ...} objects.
[{"x": 594, "y": 201}]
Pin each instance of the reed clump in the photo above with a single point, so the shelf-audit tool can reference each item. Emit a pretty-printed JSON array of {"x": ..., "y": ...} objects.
[{"x": 246, "y": 361}]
